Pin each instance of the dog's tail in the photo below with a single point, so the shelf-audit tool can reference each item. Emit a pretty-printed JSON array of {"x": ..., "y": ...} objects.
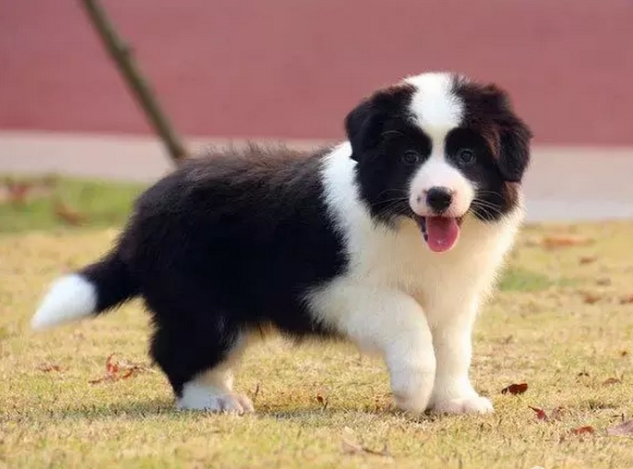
[{"x": 92, "y": 290}]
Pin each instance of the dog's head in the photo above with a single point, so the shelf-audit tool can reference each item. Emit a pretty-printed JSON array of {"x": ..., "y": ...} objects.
[{"x": 438, "y": 147}]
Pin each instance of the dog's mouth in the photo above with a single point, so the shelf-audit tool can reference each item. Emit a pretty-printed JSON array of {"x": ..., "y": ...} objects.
[{"x": 440, "y": 233}]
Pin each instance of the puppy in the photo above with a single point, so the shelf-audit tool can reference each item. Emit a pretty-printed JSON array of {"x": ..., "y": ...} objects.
[{"x": 390, "y": 239}]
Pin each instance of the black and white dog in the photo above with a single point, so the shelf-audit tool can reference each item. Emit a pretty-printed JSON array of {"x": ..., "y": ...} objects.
[{"x": 391, "y": 240}]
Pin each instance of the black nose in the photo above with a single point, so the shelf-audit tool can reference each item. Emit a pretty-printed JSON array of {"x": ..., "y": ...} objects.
[{"x": 439, "y": 198}]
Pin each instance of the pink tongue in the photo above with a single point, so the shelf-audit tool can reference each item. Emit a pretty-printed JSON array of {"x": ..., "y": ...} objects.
[{"x": 442, "y": 233}]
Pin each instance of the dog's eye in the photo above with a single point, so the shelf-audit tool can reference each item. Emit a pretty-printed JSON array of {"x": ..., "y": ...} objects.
[
  {"x": 466, "y": 156},
  {"x": 410, "y": 157}
]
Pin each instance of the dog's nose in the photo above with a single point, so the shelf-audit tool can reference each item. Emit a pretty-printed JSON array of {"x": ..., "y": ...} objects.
[{"x": 439, "y": 198}]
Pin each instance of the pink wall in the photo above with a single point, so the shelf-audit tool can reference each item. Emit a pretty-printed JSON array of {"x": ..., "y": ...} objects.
[{"x": 293, "y": 68}]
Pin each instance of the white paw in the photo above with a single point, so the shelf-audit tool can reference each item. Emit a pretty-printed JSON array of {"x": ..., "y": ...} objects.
[
  {"x": 196, "y": 397},
  {"x": 464, "y": 405},
  {"x": 411, "y": 404}
]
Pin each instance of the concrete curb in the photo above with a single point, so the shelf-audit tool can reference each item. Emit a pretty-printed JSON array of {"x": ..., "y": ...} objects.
[{"x": 563, "y": 184}]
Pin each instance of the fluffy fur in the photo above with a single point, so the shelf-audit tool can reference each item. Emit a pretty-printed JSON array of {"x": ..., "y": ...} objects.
[{"x": 390, "y": 239}]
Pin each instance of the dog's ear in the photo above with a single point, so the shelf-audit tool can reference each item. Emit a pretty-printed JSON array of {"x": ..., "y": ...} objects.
[
  {"x": 361, "y": 126},
  {"x": 514, "y": 135},
  {"x": 514, "y": 151}
]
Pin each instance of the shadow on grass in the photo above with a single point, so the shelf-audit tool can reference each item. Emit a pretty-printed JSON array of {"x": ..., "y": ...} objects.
[{"x": 140, "y": 410}]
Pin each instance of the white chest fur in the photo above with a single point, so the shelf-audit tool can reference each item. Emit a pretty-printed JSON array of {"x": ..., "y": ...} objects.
[{"x": 399, "y": 259}]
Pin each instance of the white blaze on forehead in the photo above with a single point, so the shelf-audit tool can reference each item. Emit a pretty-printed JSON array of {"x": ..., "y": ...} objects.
[
  {"x": 434, "y": 106},
  {"x": 437, "y": 110}
]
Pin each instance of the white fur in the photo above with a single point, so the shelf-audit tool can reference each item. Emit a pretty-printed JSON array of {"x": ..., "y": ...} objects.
[
  {"x": 437, "y": 111},
  {"x": 213, "y": 389},
  {"x": 70, "y": 298},
  {"x": 414, "y": 306},
  {"x": 437, "y": 172}
]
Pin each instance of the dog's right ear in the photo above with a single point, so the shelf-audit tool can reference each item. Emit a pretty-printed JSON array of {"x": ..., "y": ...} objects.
[{"x": 361, "y": 126}]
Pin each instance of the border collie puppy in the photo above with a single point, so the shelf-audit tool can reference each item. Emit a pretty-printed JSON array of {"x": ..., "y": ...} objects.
[{"x": 390, "y": 239}]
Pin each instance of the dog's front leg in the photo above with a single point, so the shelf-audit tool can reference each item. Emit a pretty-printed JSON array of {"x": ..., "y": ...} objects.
[
  {"x": 393, "y": 324},
  {"x": 453, "y": 392}
]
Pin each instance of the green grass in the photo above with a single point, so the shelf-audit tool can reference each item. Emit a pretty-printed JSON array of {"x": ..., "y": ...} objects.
[
  {"x": 102, "y": 204},
  {"x": 319, "y": 406}
]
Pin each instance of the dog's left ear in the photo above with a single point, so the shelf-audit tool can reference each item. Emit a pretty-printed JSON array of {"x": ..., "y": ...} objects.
[
  {"x": 514, "y": 151},
  {"x": 361, "y": 126},
  {"x": 514, "y": 135}
]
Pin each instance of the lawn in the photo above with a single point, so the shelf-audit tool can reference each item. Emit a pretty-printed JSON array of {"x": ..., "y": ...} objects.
[{"x": 562, "y": 322}]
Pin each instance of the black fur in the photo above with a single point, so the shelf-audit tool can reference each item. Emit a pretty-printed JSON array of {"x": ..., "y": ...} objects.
[
  {"x": 232, "y": 241},
  {"x": 225, "y": 244},
  {"x": 381, "y": 133}
]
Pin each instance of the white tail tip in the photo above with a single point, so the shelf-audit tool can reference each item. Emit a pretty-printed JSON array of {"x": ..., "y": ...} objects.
[{"x": 70, "y": 298}]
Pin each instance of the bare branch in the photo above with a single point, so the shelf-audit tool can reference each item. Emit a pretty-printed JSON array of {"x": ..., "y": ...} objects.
[{"x": 120, "y": 52}]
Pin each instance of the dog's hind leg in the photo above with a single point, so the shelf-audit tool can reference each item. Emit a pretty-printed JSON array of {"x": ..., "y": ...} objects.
[{"x": 198, "y": 360}]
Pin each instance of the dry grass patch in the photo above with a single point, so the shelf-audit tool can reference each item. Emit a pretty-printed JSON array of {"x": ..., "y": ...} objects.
[{"x": 562, "y": 323}]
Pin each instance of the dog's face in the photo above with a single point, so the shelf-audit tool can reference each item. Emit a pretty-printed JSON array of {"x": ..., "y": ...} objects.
[{"x": 436, "y": 148}]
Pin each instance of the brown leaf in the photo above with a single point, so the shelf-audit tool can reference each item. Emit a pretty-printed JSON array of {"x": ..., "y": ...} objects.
[
  {"x": 623, "y": 429},
  {"x": 625, "y": 300},
  {"x": 610, "y": 381},
  {"x": 350, "y": 447},
  {"x": 583, "y": 430},
  {"x": 590, "y": 298},
  {"x": 67, "y": 215},
  {"x": 540, "y": 413},
  {"x": 111, "y": 367},
  {"x": 17, "y": 191},
  {"x": 515, "y": 389},
  {"x": 103, "y": 379},
  {"x": 555, "y": 242},
  {"x": 116, "y": 371},
  {"x": 587, "y": 260},
  {"x": 46, "y": 368},
  {"x": 129, "y": 372},
  {"x": 322, "y": 400}
]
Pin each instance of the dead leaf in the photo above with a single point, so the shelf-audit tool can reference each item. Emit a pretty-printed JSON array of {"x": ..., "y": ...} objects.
[
  {"x": 625, "y": 300},
  {"x": 610, "y": 381},
  {"x": 540, "y": 413},
  {"x": 590, "y": 298},
  {"x": 603, "y": 282},
  {"x": 46, "y": 368},
  {"x": 587, "y": 260},
  {"x": 583, "y": 430},
  {"x": 350, "y": 447},
  {"x": 623, "y": 429},
  {"x": 322, "y": 400},
  {"x": 16, "y": 191},
  {"x": 515, "y": 389},
  {"x": 111, "y": 367},
  {"x": 116, "y": 371},
  {"x": 555, "y": 242},
  {"x": 67, "y": 215}
]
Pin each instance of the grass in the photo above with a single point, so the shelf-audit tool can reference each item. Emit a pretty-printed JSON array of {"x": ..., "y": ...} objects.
[
  {"x": 557, "y": 323},
  {"x": 99, "y": 204}
]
